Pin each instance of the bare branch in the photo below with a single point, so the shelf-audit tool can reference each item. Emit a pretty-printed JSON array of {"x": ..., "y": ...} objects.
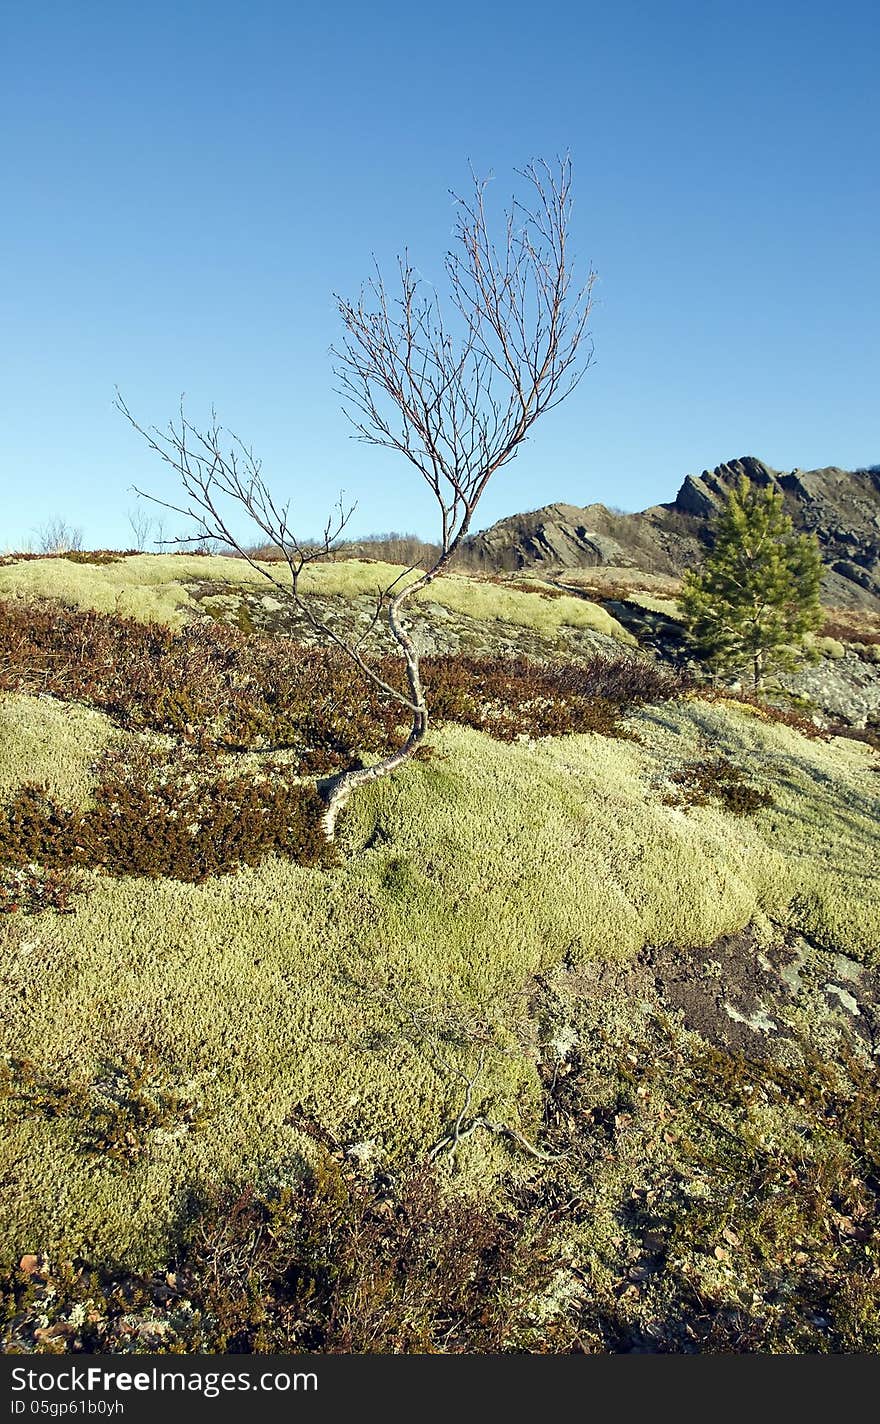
[
  {"x": 462, "y": 1129},
  {"x": 458, "y": 407},
  {"x": 213, "y": 473},
  {"x": 58, "y": 537}
]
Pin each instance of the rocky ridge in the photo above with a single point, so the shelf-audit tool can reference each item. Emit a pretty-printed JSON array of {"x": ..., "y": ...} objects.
[{"x": 841, "y": 507}]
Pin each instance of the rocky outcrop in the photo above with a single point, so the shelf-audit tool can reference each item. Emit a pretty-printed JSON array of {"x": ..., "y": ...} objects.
[
  {"x": 560, "y": 535},
  {"x": 841, "y": 507}
]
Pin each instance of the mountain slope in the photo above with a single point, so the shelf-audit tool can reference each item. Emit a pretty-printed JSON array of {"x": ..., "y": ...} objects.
[{"x": 841, "y": 507}]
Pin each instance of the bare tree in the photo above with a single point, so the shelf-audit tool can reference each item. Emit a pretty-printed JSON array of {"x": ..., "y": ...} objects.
[
  {"x": 456, "y": 401},
  {"x": 56, "y": 536},
  {"x": 142, "y": 526}
]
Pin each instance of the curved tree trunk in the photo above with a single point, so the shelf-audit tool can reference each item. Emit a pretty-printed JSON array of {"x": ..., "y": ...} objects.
[{"x": 337, "y": 790}]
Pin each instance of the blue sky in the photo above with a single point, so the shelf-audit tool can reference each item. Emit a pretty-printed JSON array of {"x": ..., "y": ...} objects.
[{"x": 186, "y": 185}]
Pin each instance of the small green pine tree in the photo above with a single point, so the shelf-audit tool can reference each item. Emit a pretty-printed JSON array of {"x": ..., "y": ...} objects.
[{"x": 755, "y": 599}]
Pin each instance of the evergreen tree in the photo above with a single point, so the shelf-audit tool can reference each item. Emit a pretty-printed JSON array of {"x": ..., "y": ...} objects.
[{"x": 755, "y": 599}]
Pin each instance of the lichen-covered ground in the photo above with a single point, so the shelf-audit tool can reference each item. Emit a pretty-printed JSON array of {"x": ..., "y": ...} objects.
[
  {"x": 170, "y": 588},
  {"x": 644, "y": 1018}
]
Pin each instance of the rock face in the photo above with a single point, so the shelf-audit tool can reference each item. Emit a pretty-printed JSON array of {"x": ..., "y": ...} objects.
[{"x": 841, "y": 507}]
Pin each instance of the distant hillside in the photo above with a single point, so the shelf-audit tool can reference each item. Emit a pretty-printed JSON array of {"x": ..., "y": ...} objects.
[{"x": 842, "y": 507}]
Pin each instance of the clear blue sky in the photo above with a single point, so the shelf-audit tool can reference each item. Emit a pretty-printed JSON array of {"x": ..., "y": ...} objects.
[{"x": 185, "y": 186}]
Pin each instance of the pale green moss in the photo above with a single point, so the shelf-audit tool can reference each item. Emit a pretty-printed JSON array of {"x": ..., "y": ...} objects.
[
  {"x": 145, "y": 586},
  {"x": 667, "y": 606},
  {"x": 154, "y": 587},
  {"x": 53, "y": 743},
  {"x": 829, "y": 647},
  {"x": 820, "y": 834},
  {"x": 362, "y": 993},
  {"x": 487, "y": 601}
]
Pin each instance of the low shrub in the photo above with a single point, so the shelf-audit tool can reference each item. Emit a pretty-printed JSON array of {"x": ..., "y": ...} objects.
[
  {"x": 855, "y": 627},
  {"x": 334, "y": 1265},
  {"x": 747, "y": 1220},
  {"x": 510, "y": 697},
  {"x": 211, "y": 685},
  {"x": 154, "y": 816},
  {"x": 606, "y": 591},
  {"x": 748, "y": 1224},
  {"x": 96, "y": 556},
  {"x": 217, "y": 687},
  {"x": 543, "y": 590},
  {"x": 870, "y": 736},
  {"x": 717, "y": 780},
  {"x": 32, "y": 889},
  {"x": 116, "y": 1114}
]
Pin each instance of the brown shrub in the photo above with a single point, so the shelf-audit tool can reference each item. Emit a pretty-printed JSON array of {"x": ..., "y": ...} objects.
[
  {"x": 97, "y": 556},
  {"x": 870, "y": 736},
  {"x": 115, "y": 1113},
  {"x": 527, "y": 586},
  {"x": 718, "y": 780},
  {"x": 856, "y": 626},
  {"x": 510, "y": 697},
  {"x": 217, "y": 687},
  {"x": 32, "y": 889},
  {"x": 154, "y": 816},
  {"x": 212, "y": 685},
  {"x": 605, "y": 591},
  {"x": 335, "y": 1265},
  {"x": 340, "y": 1263}
]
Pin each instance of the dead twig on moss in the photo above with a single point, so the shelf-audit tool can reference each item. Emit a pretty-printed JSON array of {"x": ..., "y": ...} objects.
[{"x": 449, "y": 1143}]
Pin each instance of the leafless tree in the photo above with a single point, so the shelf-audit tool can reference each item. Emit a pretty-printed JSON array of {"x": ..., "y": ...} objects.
[
  {"x": 56, "y": 536},
  {"x": 142, "y": 525},
  {"x": 456, "y": 395}
]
